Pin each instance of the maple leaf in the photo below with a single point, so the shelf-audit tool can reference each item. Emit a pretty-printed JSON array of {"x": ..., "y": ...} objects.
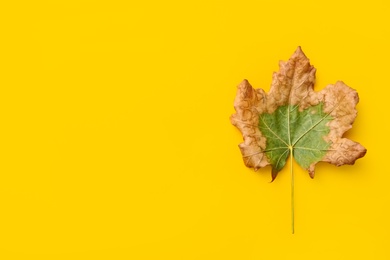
[{"x": 293, "y": 119}]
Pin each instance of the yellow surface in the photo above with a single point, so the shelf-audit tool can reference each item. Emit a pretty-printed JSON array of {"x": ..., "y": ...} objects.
[{"x": 116, "y": 141}]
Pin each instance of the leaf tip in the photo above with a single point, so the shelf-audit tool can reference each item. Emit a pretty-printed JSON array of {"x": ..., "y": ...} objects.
[
  {"x": 274, "y": 175},
  {"x": 311, "y": 171},
  {"x": 299, "y": 53}
]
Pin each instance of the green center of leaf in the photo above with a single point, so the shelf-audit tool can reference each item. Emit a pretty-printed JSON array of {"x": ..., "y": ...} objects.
[{"x": 300, "y": 132}]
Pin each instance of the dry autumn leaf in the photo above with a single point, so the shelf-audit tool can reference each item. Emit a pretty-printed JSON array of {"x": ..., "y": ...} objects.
[{"x": 294, "y": 120}]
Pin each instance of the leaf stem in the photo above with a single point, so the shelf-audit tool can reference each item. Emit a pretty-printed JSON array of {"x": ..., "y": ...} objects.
[{"x": 292, "y": 192}]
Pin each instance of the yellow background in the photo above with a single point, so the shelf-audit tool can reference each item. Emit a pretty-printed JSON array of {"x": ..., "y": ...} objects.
[{"x": 116, "y": 141}]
